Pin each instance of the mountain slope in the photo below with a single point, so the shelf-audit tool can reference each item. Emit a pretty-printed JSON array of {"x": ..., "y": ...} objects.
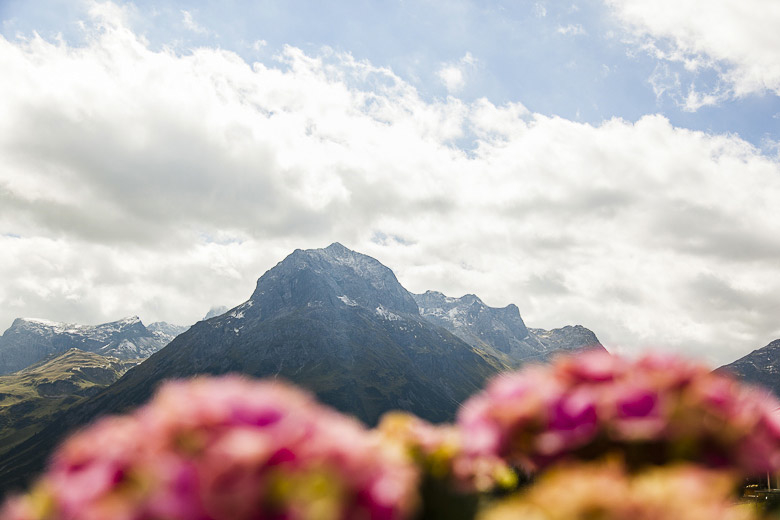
[
  {"x": 29, "y": 340},
  {"x": 762, "y": 367},
  {"x": 500, "y": 332},
  {"x": 30, "y": 396}
]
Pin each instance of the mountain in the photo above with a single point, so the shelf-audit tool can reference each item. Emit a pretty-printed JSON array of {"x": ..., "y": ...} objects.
[
  {"x": 165, "y": 332},
  {"x": 32, "y": 395},
  {"x": 500, "y": 332},
  {"x": 29, "y": 340},
  {"x": 330, "y": 320},
  {"x": 760, "y": 367},
  {"x": 336, "y": 322},
  {"x": 566, "y": 339},
  {"x": 216, "y": 311}
]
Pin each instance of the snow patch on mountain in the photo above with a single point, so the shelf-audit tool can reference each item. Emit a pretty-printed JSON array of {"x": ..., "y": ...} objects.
[
  {"x": 348, "y": 301},
  {"x": 385, "y": 314}
]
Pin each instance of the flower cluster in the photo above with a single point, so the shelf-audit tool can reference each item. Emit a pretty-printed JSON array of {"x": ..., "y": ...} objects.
[
  {"x": 605, "y": 491},
  {"x": 437, "y": 450},
  {"x": 654, "y": 410},
  {"x": 224, "y": 448}
]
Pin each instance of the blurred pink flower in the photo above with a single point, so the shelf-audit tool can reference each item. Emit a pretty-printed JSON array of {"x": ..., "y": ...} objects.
[
  {"x": 224, "y": 448},
  {"x": 438, "y": 451},
  {"x": 654, "y": 410}
]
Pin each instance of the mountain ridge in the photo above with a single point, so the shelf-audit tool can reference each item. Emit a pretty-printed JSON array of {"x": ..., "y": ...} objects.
[
  {"x": 29, "y": 340},
  {"x": 501, "y": 331}
]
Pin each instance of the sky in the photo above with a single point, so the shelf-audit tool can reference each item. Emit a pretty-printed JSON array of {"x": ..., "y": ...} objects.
[{"x": 610, "y": 163}]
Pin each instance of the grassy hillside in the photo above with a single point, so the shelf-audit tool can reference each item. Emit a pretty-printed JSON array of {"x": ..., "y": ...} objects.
[{"x": 29, "y": 397}]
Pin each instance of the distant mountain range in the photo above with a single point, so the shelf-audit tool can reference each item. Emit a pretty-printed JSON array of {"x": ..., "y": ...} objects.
[
  {"x": 341, "y": 325},
  {"x": 500, "y": 332},
  {"x": 29, "y": 340}
]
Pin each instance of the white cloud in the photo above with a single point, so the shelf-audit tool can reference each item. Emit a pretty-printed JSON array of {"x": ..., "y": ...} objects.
[
  {"x": 144, "y": 182},
  {"x": 571, "y": 29},
  {"x": 738, "y": 39},
  {"x": 453, "y": 75},
  {"x": 540, "y": 11},
  {"x": 694, "y": 100},
  {"x": 667, "y": 82},
  {"x": 190, "y": 23}
]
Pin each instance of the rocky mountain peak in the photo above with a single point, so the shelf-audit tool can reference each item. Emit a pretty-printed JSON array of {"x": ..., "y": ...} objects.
[
  {"x": 131, "y": 323},
  {"x": 42, "y": 327},
  {"x": 471, "y": 299},
  {"x": 336, "y": 249},
  {"x": 130, "y": 320},
  {"x": 563, "y": 338},
  {"x": 470, "y": 319},
  {"x": 364, "y": 266},
  {"x": 512, "y": 308},
  {"x": 163, "y": 328},
  {"x": 216, "y": 311},
  {"x": 434, "y": 302},
  {"x": 334, "y": 275}
]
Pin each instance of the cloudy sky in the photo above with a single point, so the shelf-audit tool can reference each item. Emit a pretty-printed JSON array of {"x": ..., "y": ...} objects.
[{"x": 611, "y": 163}]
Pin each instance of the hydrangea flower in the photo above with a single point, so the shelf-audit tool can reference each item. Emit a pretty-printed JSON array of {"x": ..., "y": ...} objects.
[
  {"x": 224, "y": 448},
  {"x": 605, "y": 491},
  {"x": 438, "y": 451},
  {"x": 654, "y": 410}
]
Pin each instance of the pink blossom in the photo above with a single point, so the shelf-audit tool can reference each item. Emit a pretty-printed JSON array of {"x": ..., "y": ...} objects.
[
  {"x": 656, "y": 409},
  {"x": 224, "y": 448},
  {"x": 438, "y": 451}
]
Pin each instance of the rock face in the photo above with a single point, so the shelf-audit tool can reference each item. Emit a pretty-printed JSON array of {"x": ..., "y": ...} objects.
[
  {"x": 501, "y": 332},
  {"x": 28, "y": 341},
  {"x": 761, "y": 367}
]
